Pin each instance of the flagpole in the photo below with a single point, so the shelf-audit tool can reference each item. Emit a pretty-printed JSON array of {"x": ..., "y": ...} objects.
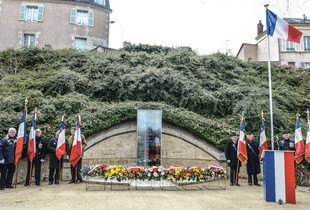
[
  {"x": 270, "y": 87},
  {"x": 237, "y": 172},
  {"x": 26, "y": 101}
]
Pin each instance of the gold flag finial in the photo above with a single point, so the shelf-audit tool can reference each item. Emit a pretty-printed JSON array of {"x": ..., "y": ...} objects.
[
  {"x": 262, "y": 115},
  {"x": 307, "y": 112},
  {"x": 26, "y": 102}
]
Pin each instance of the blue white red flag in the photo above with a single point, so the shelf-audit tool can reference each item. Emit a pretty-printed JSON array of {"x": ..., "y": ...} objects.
[
  {"x": 31, "y": 147},
  {"x": 279, "y": 28},
  {"x": 242, "y": 152},
  {"x": 76, "y": 150},
  {"x": 263, "y": 141},
  {"x": 61, "y": 144},
  {"x": 299, "y": 143},
  {"x": 21, "y": 137}
]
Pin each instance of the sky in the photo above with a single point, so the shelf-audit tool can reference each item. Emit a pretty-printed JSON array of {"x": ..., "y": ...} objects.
[{"x": 207, "y": 26}]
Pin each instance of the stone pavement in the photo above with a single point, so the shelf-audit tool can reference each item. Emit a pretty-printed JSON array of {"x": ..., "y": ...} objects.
[{"x": 71, "y": 196}]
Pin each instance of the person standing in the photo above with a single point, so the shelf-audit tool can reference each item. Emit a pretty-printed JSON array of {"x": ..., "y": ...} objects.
[
  {"x": 253, "y": 164},
  {"x": 38, "y": 159},
  {"x": 54, "y": 162},
  {"x": 79, "y": 163},
  {"x": 286, "y": 143},
  {"x": 231, "y": 149},
  {"x": 7, "y": 158}
]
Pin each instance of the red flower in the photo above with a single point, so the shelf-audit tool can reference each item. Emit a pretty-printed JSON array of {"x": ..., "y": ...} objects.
[
  {"x": 177, "y": 176},
  {"x": 182, "y": 174}
]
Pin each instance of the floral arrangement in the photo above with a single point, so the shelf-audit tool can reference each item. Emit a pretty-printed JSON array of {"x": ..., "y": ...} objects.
[{"x": 156, "y": 173}]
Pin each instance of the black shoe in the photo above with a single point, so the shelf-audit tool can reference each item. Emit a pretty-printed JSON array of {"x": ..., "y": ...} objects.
[
  {"x": 78, "y": 181},
  {"x": 250, "y": 184},
  {"x": 10, "y": 187},
  {"x": 56, "y": 182},
  {"x": 2, "y": 188},
  {"x": 38, "y": 184},
  {"x": 258, "y": 184},
  {"x": 231, "y": 184},
  {"x": 50, "y": 183},
  {"x": 26, "y": 184},
  {"x": 72, "y": 181},
  {"x": 238, "y": 184}
]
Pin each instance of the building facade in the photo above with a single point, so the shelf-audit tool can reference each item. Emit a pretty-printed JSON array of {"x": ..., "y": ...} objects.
[
  {"x": 58, "y": 24},
  {"x": 281, "y": 52}
]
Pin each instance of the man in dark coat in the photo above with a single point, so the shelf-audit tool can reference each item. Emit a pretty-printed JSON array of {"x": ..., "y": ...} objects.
[
  {"x": 54, "y": 162},
  {"x": 253, "y": 164},
  {"x": 231, "y": 149},
  {"x": 38, "y": 159},
  {"x": 286, "y": 143},
  {"x": 7, "y": 158}
]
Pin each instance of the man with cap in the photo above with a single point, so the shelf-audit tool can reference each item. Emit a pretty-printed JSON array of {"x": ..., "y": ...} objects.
[
  {"x": 286, "y": 143},
  {"x": 38, "y": 159},
  {"x": 231, "y": 149},
  {"x": 7, "y": 158},
  {"x": 253, "y": 164},
  {"x": 54, "y": 162}
]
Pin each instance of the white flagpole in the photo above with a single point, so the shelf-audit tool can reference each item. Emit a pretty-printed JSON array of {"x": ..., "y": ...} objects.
[{"x": 270, "y": 89}]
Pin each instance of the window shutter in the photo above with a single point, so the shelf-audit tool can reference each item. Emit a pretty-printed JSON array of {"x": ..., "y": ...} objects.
[
  {"x": 297, "y": 47},
  {"x": 90, "y": 18},
  {"x": 23, "y": 40},
  {"x": 283, "y": 45},
  {"x": 22, "y": 12},
  {"x": 73, "y": 16},
  {"x": 302, "y": 47},
  {"x": 41, "y": 13}
]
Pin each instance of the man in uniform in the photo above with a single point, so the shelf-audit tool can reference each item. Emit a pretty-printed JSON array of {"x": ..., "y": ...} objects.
[
  {"x": 54, "y": 162},
  {"x": 7, "y": 158},
  {"x": 79, "y": 163},
  {"x": 253, "y": 164},
  {"x": 231, "y": 149},
  {"x": 286, "y": 143},
  {"x": 38, "y": 159}
]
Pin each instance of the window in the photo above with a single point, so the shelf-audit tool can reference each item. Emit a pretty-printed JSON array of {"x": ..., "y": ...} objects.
[
  {"x": 29, "y": 40},
  {"x": 291, "y": 63},
  {"x": 80, "y": 43},
  {"x": 307, "y": 43},
  {"x": 81, "y": 17},
  {"x": 305, "y": 65},
  {"x": 31, "y": 13},
  {"x": 101, "y": 2},
  {"x": 290, "y": 46}
]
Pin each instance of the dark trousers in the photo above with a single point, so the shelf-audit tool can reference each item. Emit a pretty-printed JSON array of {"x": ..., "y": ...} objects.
[
  {"x": 78, "y": 166},
  {"x": 250, "y": 178},
  {"x": 7, "y": 174},
  {"x": 37, "y": 163},
  {"x": 52, "y": 175},
  {"x": 233, "y": 174}
]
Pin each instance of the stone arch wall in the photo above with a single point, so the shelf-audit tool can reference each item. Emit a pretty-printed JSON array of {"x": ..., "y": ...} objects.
[{"x": 118, "y": 145}]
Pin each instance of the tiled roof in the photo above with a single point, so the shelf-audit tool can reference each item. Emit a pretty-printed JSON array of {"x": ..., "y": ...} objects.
[
  {"x": 107, "y": 6},
  {"x": 297, "y": 20}
]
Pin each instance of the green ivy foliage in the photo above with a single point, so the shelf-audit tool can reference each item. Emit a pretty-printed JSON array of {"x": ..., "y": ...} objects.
[{"x": 203, "y": 94}]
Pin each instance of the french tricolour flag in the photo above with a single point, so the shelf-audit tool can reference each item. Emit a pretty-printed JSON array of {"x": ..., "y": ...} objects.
[
  {"x": 21, "y": 137},
  {"x": 279, "y": 176},
  {"x": 61, "y": 144},
  {"x": 281, "y": 29},
  {"x": 299, "y": 143},
  {"x": 242, "y": 152},
  {"x": 263, "y": 141}
]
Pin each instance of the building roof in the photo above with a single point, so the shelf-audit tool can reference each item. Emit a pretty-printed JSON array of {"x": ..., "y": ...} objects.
[
  {"x": 244, "y": 44},
  {"x": 106, "y": 6},
  {"x": 297, "y": 20}
]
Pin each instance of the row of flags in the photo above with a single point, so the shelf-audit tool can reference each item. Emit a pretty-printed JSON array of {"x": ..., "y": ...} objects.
[
  {"x": 76, "y": 150},
  {"x": 301, "y": 150}
]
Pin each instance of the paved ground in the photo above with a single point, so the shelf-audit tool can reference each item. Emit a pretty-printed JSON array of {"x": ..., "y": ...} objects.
[{"x": 71, "y": 196}]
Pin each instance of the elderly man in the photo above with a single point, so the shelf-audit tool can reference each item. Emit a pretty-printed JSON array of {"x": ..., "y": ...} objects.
[
  {"x": 54, "y": 162},
  {"x": 7, "y": 157},
  {"x": 253, "y": 164},
  {"x": 79, "y": 163},
  {"x": 231, "y": 157},
  {"x": 286, "y": 143},
  {"x": 38, "y": 159}
]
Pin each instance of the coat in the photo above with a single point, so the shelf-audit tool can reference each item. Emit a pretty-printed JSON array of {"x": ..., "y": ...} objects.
[
  {"x": 51, "y": 147},
  {"x": 41, "y": 148},
  {"x": 253, "y": 164},
  {"x": 7, "y": 149},
  {"x": 231, "y": 153},
  {"x": 287, "y": 145}
]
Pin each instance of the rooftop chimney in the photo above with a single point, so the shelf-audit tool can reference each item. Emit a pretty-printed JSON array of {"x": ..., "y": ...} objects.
[
  {"x": 305, "y": 17},
  {"x": 260, "y": 28}
]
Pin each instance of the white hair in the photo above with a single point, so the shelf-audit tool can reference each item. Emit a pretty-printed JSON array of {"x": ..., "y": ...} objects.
[
  {"x": 12, "y": 129},
  {"x": 39, "y": 130}
]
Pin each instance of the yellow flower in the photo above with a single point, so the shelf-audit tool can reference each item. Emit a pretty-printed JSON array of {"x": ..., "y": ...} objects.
[
  {"x": 201, "y": 176},
  {"x": 121, "y": 174},
  {"x": 110, "y": 174}
]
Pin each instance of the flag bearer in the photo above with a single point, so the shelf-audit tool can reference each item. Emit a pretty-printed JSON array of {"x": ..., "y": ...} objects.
[
  {"x": 54, "y": 162},
  {"x": 253, "y": 164},
  {"x": 231, "y": 156},
  {"x": 286, "y": 143}
]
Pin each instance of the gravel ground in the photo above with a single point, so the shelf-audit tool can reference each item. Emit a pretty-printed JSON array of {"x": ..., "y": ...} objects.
[{"x": 71, "y": 196}]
